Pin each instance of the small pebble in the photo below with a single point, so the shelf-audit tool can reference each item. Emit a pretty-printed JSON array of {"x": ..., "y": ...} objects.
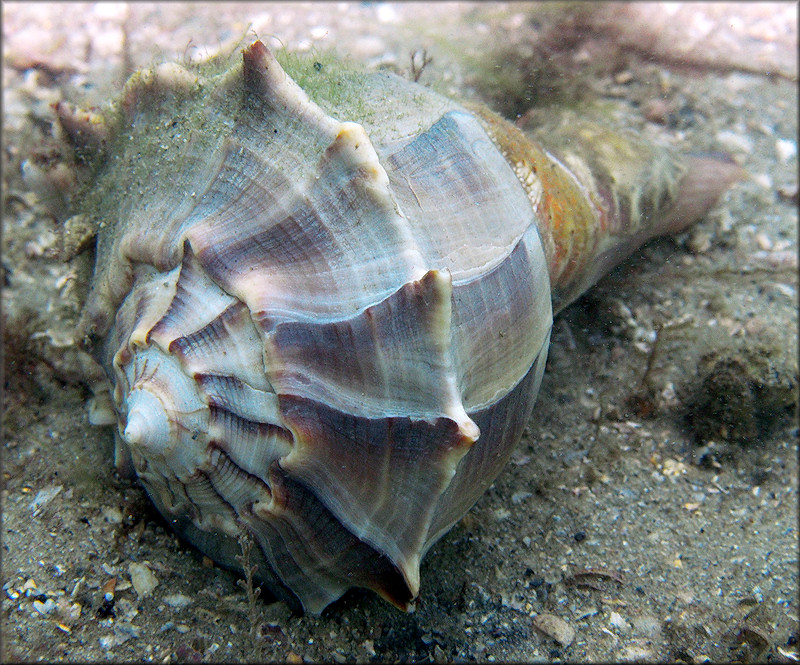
[
  {"x": 699, "y": 242},
  {"x": 69, "y": 611},
  {"x": 638, "y": 653},
  {"x": 519, "y": 497},
  {"x": 763, "y": 179},
  {"x": 128, "y": 630},
  {"x": 178, "y": 601},
  {"x": 121, "y": 635},
  {"x": 789, "y": 194},
  {"x": 112, "y": 514},
  {"x": 786, "y": 149},
  {"x": 33, "y": 250},
  {"x": 555, "y": 627},
  {"x": 735, "y": 142},
  {"x": 623, "y": 77},
  {"x": 44, "y": 608},
  {"x": 784, "y": 289},
  {"x": 77, "y": 588},
  {"x": 763, "y": 241},
  {"x": 142, "y": 578},
  {"x": 672, "y": 468},
  {"x": 618, "y": 621},
  {"x": 43, "y": 497},
  {"x": 659, "y": 110},
  {"x": 126, "y": 609}
]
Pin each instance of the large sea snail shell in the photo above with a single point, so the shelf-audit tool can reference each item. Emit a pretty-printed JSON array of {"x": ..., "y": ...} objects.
[{"x": 324, "y": 314}]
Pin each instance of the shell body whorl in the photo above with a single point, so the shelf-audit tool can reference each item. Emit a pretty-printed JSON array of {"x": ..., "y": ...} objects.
[{"x": 326, "y": 321}]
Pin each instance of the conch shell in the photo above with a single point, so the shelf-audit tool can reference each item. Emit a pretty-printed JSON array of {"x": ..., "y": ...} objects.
[{"x": 324, "y": 308}]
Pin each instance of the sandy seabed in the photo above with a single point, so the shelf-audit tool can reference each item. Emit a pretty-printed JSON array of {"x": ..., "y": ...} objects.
[{"x": 612, "y": 535}]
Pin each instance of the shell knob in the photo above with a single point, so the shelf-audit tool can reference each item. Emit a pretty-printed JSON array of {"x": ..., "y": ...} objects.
[{"x": 148, "y": 424}]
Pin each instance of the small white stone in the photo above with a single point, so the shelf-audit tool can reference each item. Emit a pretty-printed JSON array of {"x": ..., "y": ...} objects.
[
  {"x": 142, "y": 578},
  {"x": 555, "y": 627},
  {"x": 786, "y": 149},
  {"x": 178, "y": 601},
  {"x": 735, "y": 142},
  {"x": 519, "y": 497},
  {"x": 763, "y": 241},
  {"x": 112, "y": 514},
  {"x": 699, "y": 242},
  {"x": 618, "y": 621},
  {"x": 44, "y": 608},
  {"x": 45, "y": 496},
  {"x": 763, "y": 179},
  {"x": 785, "y": 289}
]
